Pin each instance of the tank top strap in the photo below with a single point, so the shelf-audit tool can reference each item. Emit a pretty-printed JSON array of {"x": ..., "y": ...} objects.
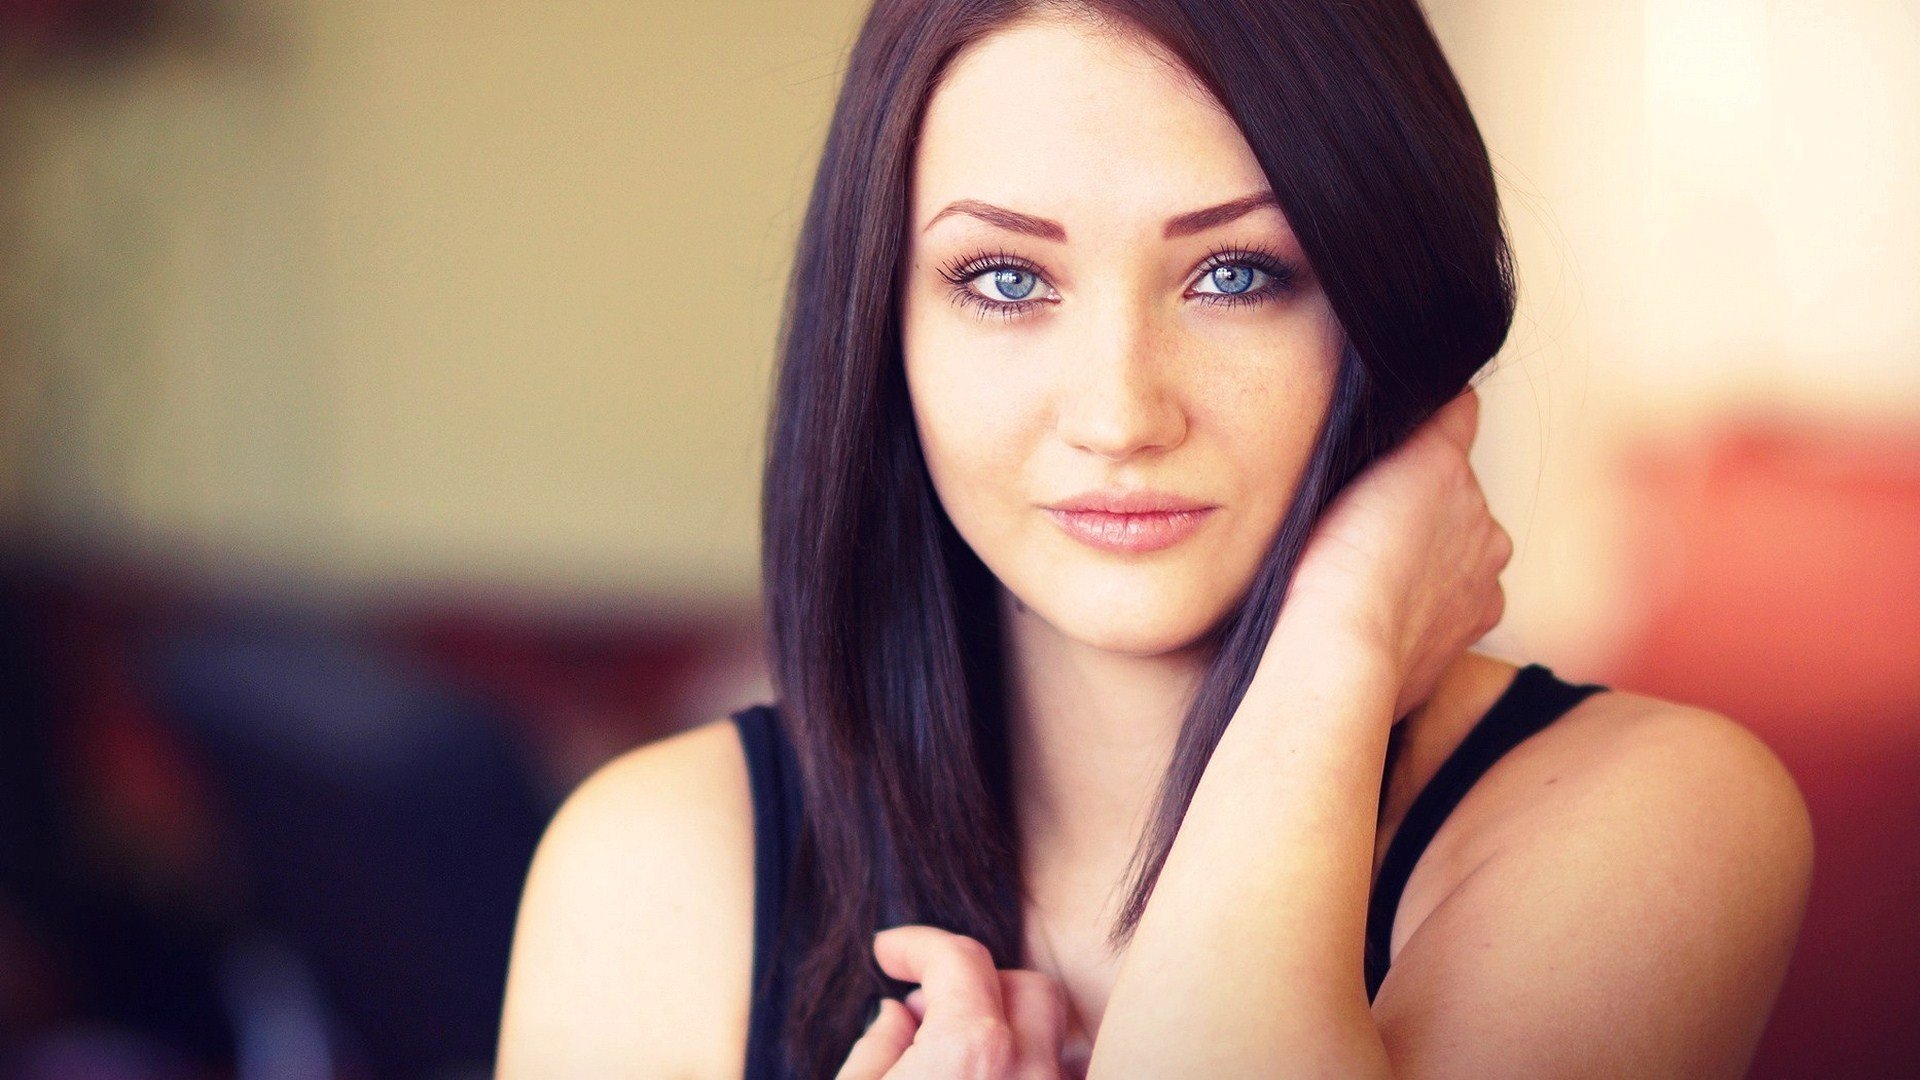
[
  {"x": 773, "y": 776},
  {"x": 1534, "y": 699}
]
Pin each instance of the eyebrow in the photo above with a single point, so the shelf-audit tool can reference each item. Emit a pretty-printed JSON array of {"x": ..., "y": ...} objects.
[{"x": 1177, "y": 226}]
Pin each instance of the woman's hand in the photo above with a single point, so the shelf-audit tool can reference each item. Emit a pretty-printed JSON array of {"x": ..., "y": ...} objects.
[
  {"x": 967, "y": 1020},
  {"x": 1407, "y": 558},
  {"x": 1398, "y": 576}
]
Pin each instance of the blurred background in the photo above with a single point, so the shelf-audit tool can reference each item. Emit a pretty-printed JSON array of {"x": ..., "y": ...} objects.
[{"x": 381, "y": 391}]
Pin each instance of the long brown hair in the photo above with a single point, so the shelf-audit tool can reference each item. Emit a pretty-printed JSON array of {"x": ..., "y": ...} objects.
[{"x": 884, "y": 639}]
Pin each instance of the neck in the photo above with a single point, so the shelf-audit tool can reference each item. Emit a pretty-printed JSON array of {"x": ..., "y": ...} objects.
[{"x": 1091, "y": 733}]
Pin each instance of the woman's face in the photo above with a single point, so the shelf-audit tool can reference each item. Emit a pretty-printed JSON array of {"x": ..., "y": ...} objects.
[{"x": 1073, "y": 328}]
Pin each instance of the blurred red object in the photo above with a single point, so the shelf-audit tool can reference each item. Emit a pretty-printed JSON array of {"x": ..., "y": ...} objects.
[{"x": 1780, "y": 569}]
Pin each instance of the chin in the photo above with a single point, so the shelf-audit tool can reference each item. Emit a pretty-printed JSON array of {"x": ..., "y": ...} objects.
[
  {"x": 1133, "y": 639},
  {"x": 1144, "y": 623}
]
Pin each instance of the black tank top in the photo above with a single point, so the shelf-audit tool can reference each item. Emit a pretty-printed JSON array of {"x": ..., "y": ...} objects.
[{"x": 1534, "y": 699}]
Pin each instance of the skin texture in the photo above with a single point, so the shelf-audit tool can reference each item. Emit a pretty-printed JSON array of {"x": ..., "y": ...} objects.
[{"x": 1617, "y": 896}]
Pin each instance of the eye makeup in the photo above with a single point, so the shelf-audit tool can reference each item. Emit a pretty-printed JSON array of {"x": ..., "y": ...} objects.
[{"x": 1282, "y": 278}]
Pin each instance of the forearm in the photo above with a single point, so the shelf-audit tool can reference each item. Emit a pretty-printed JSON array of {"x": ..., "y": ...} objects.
[{"x": 1248, "y": 958}]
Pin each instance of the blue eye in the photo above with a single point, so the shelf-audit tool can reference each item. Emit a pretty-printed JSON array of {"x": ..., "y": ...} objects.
[
  {"x": 1232, "y": 278},
  {"x": 997, "y": 283},
  {"x": 1245, "y": 276},
  {"x": 1003, "y": 284},
  {"x": 1013, "y": 284}
]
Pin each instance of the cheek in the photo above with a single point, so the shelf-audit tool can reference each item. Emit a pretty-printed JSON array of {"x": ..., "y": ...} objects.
[
  {"x": 1263, "y": 400},
  {"x": 1283, "y": 366},
  {"x": 976, "y": 425}
]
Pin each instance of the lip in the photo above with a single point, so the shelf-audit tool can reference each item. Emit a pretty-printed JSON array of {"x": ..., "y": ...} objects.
[
  {"x": 1134, "y": 522},
  {"x": 1135, "y": 533},
  {"x": 1129, "y": 502}
]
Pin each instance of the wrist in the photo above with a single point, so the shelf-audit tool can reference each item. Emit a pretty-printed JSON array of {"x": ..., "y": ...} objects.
[
  {"x": 1335, "y": 638},
  {"x": 1309, "y": 661}
]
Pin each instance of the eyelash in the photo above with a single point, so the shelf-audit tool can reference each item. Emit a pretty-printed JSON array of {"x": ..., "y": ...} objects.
[{"x": 962, "y": 272}]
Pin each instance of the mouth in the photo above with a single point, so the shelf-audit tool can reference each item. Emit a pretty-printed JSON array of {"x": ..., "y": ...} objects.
[{"x": 1136, "y": 532}]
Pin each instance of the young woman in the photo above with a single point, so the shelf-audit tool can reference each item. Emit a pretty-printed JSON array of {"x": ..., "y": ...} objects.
[{"x": 1122, "y": 557}]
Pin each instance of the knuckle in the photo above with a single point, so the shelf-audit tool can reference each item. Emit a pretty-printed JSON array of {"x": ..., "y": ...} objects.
[
  {"x": 1458, "y": 473},
  {"x": 1498, "y": 558},
  {"x": 1496, "y": 610},
  {"x": 972, "y": 951}
]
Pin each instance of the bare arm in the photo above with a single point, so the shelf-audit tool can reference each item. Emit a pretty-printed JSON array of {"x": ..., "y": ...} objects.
[
  {"x": 1248, "y": 955},
  {"x": 1636, "y": 922}
]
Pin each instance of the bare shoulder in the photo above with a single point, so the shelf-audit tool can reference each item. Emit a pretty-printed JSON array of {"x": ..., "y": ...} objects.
[
  {"x": 633, "y": 950},
  {"x": 1641, "y": 861},
  {"x": 1624, "y": 750},
  {"x": 1642, "y": 765}
]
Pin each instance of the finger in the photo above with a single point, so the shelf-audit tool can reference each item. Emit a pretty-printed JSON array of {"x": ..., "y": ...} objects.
[
  {"x": 1037, "y": 1012},
  {"x": 1502, "y": 544},
  {"x": 880, "y": 1048},
  {"x": 956, "y": 971},
  {"x": 917, "y": 1003}
]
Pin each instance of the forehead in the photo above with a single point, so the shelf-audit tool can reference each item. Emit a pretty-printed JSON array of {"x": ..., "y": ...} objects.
[{"x": 1065, "y": 119}]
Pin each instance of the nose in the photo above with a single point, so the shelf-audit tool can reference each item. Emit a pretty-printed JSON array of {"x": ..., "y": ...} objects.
[{"x": 1117, "y": 397}]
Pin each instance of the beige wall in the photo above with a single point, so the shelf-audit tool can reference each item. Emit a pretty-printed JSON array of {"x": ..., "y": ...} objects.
[
  {"x": 475, "y": 292},
  {"x": 560, "y": 236},
  {"x": 421, "y": 292}
]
